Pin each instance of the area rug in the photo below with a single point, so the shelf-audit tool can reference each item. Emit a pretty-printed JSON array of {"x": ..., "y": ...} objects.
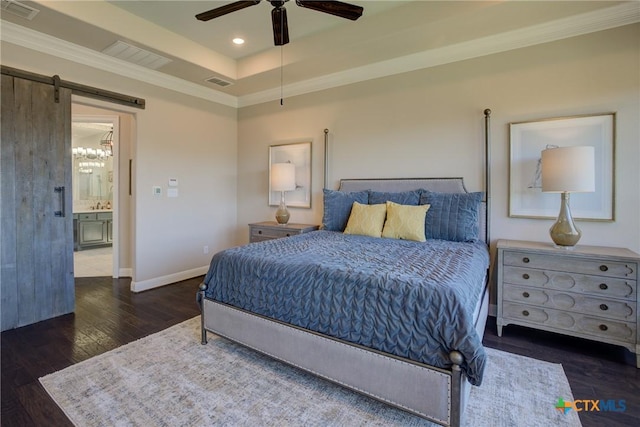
[{"x": 170, "y": 379}]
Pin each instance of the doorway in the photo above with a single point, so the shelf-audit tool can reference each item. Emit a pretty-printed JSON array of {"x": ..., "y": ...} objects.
[{"x": 95, "y": 151}]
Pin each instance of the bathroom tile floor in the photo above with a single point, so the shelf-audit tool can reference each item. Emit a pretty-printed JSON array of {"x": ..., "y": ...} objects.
[{"x": 96, "y": 262}]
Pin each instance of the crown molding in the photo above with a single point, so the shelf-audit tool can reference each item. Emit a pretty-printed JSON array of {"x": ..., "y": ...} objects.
[
  {"x": 130, "y": 27},
  {"x": 599, "y": 20},
  {"x": 40, "y": 42}
]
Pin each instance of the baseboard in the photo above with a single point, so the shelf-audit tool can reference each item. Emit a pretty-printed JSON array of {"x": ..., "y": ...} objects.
[
  {"x": 125, "y": 272},
  {"x": 156, "y": 282}
]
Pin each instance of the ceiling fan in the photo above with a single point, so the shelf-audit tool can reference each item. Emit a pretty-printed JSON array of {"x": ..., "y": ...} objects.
[{"x": 279, "y": 13}]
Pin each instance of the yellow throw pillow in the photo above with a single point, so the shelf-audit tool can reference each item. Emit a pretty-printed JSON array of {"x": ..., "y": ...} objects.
[
  {"x": 405, "y": 222},
  {"x": 366, "y": 220}
]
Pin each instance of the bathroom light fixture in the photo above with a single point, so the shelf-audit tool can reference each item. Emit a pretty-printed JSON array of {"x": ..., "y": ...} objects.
[
  {"x": 107, "y": 142},
  {"x": 283, "y": 178},
  {"x": 567, "y": 170},
  {"x": 90, "y": 153},
  {"x": 86, "y": 167},
  {"x": 91, "y": 164}
]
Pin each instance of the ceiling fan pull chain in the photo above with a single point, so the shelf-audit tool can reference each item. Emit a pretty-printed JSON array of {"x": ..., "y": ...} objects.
[{"x": 281, "y": 77}]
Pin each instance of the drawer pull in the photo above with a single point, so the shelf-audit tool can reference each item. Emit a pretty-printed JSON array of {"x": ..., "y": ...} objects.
[
  {"x": 604, "y": 307},
  {"x": 288, "y": 235},
  {"x": 259, "y": 231},
  {"x": 525, "y": 294},
  {"x": 525, "y": 276},
  {"x": 604, "y": 268},
  {"x": 604, "y": 286},
  {"x": 525, "y": 260},
  {"x": 603, "y": 327},
  {"x": 525, "y": 313}
]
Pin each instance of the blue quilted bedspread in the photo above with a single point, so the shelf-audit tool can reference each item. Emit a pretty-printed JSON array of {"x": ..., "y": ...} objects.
[{"x": 410, "y": 299}]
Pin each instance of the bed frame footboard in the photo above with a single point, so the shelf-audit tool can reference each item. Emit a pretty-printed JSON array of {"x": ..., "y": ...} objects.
[{"x": 429, "y": 392}]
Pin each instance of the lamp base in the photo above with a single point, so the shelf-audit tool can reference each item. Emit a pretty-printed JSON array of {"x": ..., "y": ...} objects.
[
  {"x": 564, "y": 232},
  {"x": 282, "y": 214}
]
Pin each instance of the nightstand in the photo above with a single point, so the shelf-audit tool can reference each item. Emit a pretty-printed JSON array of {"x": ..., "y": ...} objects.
[
  {"x": 269, "y": 230},
  {"x": 588, "y": 291}
]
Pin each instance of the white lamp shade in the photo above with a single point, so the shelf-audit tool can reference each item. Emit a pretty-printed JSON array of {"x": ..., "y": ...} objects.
[
  {"x": 283, "y": 177},
  {"x": 570, "y": 169}
]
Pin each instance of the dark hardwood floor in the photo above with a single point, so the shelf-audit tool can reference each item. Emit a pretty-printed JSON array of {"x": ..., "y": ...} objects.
[{"x": 108, "y": 315}]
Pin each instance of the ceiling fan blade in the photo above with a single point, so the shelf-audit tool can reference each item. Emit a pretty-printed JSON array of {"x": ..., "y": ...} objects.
[
  {"x": 337, "y": 8},
  {"x": 280, "y": 26},
  {"x": 223, "y": 10}
]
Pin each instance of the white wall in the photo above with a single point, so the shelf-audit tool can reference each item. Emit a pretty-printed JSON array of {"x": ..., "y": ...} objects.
[
  {"x": 177, "y": 136},
  {"x": 430, "y": 123},
  {"x": 195, "y": 144}
]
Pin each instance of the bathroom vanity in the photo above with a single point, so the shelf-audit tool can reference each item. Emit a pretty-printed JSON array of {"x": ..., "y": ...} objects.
[{"x": 92, "y": 228}]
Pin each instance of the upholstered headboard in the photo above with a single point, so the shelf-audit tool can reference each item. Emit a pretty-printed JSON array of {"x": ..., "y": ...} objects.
[{"x": 441, "y": 185}]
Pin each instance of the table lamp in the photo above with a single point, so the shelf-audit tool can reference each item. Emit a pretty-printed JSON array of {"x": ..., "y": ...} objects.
[
  {"x": 567, "y": 170},
  {"x": 283, "y": 178}
]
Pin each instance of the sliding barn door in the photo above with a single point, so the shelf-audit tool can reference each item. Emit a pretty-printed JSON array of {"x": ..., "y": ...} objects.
[{"x": 36, "y": 222}]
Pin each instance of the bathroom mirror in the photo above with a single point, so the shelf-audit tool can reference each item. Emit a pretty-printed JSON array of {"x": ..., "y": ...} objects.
[{"x": 92, "y": 151}]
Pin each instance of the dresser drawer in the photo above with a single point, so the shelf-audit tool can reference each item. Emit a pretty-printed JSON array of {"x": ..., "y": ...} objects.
[
  {"x": 570, "y": 323},
  {"x": 269, "y": 230},
  {"x": 579, "y": 303},
  {"x": 87, "y": 216},
  {"x": 594, "y": 285},
  {"x": 104, "y": 215},
  {"x": 538, "y": 315},
  {"x": 271, "y": 233},
  {"x": 607, "y": 328},
  {"x": 570, "y": 264}
]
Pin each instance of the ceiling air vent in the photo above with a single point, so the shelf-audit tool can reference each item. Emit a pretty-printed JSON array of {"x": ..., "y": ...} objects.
[
  {"x": 136, "y": 55},
  {"x": 218, "y": 81},
  {"x": 19, "y": 9}
]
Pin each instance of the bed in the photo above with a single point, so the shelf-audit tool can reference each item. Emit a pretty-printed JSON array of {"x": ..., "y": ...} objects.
[{"x": 398, "y": 320}]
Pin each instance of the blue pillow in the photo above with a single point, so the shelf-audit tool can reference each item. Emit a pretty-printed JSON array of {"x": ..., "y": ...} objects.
[
  {"x": 401, "y": 198},
  {"x": 337, "y": 207},
  {"x": 452, "y": 216}
]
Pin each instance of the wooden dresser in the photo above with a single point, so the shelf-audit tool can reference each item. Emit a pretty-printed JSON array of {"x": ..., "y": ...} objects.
[
  {"x": 588, "y": 291},
  {"x": 269, "y": 230}
]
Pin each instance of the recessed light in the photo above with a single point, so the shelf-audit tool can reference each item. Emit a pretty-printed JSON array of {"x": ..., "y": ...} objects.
[{"x": 238, "y": 41}]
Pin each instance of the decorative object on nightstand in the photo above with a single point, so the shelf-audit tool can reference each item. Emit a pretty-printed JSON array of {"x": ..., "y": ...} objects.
[
  {"x": 269, "y": 230},
  {"x": 567, "y": 170},
  {"x": 283, "y": 178},
  {"x": 590, "y": 292}
]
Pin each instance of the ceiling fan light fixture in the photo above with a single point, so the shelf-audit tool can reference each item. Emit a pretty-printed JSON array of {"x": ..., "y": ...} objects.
[
  {"x": 279, "y": 13},
  {"x": 280, "y": 26}
]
